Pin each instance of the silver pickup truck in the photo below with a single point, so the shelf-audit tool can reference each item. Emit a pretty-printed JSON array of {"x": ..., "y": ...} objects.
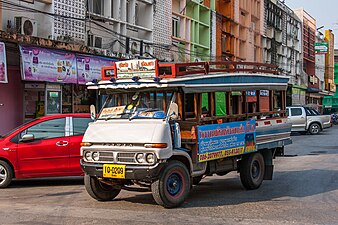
[{"x": 305, "y": 119}]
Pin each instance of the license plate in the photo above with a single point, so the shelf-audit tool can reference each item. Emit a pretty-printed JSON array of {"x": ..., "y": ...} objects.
[{"x": 114, "y": 171}]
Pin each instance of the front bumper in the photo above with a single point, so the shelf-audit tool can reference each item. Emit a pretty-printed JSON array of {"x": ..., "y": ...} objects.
[{"x": 132, "y": 172}]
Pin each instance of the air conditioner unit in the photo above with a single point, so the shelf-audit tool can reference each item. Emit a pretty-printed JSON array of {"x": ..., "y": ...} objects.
[{"x": 26, "y": 26}]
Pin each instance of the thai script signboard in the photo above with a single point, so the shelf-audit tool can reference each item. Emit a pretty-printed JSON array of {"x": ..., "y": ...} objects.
[{"x": 217, "y": 141}]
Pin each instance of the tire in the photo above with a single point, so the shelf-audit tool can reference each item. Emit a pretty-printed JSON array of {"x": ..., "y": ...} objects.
[
  {"x": 6, "y": 174},
  {"x": 252, "y": 171},
  {"x": 314, "y": 128},
  {"x": 173, "y": 185},
  {"x": 98, "y": 190},
  {"x": 197, "y": 180}
]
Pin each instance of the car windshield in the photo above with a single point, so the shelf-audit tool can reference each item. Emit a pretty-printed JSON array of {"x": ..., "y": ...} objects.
[{"x": 137, "y": 105}]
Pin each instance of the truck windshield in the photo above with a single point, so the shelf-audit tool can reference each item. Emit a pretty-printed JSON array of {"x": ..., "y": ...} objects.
[{"x": 136, "y": 105}]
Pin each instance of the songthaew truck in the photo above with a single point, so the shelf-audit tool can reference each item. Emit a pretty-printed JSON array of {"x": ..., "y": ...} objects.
[{"x": 164, "y": 127}]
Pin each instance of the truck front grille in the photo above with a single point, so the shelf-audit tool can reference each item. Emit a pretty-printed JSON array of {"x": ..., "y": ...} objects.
[{"x": 126, "y": 157}]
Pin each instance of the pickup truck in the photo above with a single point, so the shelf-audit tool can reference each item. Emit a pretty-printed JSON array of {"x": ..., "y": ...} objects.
[{"x": 306, "y": 119}]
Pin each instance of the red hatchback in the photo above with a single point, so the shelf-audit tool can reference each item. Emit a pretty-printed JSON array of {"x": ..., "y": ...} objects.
[{"x": 45, "y": 147}]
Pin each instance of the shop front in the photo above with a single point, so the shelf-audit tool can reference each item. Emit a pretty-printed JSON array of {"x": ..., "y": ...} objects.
[
  {"x": 51, "y": 81},
  {"x": 55, "y": 80}
]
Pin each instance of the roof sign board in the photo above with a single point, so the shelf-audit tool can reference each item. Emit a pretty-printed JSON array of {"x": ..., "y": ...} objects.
[
  {"x": 141, "y": 68},
  {"x": 321, "y": 47}
]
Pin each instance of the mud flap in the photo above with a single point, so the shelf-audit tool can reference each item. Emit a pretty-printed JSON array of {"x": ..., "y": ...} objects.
[{"x": 268, "y": 172}]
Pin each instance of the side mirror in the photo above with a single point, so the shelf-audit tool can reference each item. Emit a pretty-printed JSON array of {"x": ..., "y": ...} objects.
[
  {"x": 27, "y": 137},
  {"x": 92, "y": 112},
  {"x": 173, "y": 111}
]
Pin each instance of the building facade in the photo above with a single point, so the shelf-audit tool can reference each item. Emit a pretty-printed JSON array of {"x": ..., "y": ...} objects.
[
  {"x": 283, "y": 47},
  {"x": 192, "y": 32}
]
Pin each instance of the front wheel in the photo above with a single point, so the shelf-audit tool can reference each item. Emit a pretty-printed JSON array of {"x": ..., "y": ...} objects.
[
  {"x": 252, "y": 171},
  {"x": 314, "y": 128},
  {"x": 6, "y": 174},
  {"x": 173, "y": 185},
  {"x": 98, "y": 190}
]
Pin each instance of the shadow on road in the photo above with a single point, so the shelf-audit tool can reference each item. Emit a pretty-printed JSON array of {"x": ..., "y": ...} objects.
[
  {"x": 229, "y": 191},
  {"x": 41, "y": 182}
]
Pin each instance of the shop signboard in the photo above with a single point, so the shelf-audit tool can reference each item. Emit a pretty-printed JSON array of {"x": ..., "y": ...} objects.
[
  {"x": 3, "y": 64},
  {"x": 50, "y": 65},
  {"x": 89, "y": 67}
]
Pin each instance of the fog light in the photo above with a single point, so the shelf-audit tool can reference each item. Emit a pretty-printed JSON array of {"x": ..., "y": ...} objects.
[
  {"x": 150, "y": 158},
  {"x": 88, "y": 156},
  {"x": 96, "y": 156},
  {"x": 140, "y": 158}
]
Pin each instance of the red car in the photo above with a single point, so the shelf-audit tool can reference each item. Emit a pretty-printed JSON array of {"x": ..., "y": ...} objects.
[{"x": 45, "y": 147}]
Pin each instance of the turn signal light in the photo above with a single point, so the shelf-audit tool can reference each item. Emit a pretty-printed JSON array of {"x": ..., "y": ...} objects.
[
  {"x": 157, "y": 145},
  {"x": 86, "y": 144}
]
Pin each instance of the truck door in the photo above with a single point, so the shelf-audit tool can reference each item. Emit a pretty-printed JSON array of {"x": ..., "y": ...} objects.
[{"x": 298, "y": 119}]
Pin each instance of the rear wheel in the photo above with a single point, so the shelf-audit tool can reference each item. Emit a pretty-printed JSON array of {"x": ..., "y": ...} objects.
[
  {"x": 98, "y": 190},
  {"x": 173, "y": 186},
  {"x": 6, "y": 174},
  {"x": 252, "y": 171},
  {"x": 314, "y": 128}
]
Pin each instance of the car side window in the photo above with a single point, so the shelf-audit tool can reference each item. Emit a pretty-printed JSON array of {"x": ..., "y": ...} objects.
[
  {"x": 80, "y": 125},
  {"x": 47, "y": 129},
  {"x": 296, "y": 112}
]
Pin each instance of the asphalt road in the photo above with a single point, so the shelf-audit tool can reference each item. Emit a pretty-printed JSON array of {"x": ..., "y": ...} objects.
[{"x": 304, "y": 191}]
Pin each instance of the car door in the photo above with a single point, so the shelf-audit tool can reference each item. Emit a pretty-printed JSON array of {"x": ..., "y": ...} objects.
[
  {"x": 298, "y": 118},
  {"x": 48, "y": 153},
  {"x": 78, "y": 128}
]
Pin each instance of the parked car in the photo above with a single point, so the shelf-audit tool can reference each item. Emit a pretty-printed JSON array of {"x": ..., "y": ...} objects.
[
  {"x": 305, "y": 119},
  {"x": 45, "y": 147}
]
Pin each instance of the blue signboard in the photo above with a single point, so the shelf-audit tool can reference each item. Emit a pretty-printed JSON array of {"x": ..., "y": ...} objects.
[{"x": 217, "y": 141}]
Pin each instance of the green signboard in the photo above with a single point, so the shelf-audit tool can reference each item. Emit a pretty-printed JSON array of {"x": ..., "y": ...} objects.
[{"x": 321, "y": 47}]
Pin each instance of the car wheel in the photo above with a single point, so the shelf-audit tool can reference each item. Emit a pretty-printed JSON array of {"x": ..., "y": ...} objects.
[
  {"x": 6, "y": 174},
  {"x": 173, "y": 186},
  {"x": 252, "y": 171},
  {"x": 98, "y": 190},
  {"x": 314, "y": 128}
]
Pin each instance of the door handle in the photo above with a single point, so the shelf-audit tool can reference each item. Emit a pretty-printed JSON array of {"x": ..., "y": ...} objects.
[{"x": 62, "y": 143}]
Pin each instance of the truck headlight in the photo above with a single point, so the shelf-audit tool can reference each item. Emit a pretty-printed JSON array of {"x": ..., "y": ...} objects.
[
  {"x": 88, "y": 156},
  {"x": 150, "y": 158},
  {"x": 140, "y": 158},
  {"x": 96, "y": 156}
]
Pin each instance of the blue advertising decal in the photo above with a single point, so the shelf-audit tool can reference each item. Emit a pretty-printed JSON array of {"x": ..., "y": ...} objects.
[{"x": 217, "y": 141}]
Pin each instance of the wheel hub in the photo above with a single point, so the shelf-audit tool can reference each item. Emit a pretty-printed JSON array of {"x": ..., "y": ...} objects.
[
  {"x": 255, "y": 170},
  {"x": 174, "y": 184}
]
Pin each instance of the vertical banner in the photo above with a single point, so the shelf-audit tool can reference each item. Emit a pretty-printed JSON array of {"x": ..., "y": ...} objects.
[
  {"x": 89, "y": 67},
  {"x": 3, "y": 64},
  {"x": 42, "y": 64}
]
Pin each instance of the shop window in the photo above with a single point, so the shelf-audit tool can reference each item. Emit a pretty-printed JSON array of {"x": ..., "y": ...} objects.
[
  {"x": 80, "y": 125},
  {"x": 83, "y": 98},
  {"x": 67, "y": 102}
]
